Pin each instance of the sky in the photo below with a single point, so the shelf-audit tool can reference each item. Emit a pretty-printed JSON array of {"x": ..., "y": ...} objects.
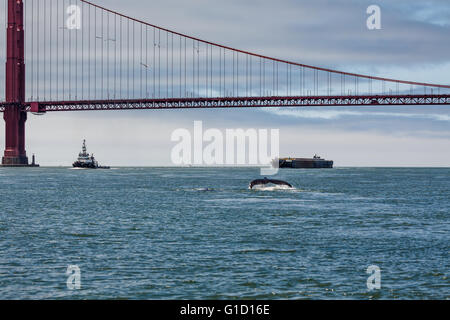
[{"x": 412, "y": 44}]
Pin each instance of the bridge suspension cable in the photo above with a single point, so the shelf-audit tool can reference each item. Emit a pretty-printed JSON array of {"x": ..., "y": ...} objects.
[{"x": 79, "y": 51}]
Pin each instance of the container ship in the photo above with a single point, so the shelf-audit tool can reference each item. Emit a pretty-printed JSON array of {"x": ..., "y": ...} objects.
[
  {"x": 304, "y": 163},
  {"x": 86, "y": 161}
]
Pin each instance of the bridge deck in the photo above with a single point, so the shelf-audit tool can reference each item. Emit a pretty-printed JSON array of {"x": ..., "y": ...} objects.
[{"x": 235, "y": 102}]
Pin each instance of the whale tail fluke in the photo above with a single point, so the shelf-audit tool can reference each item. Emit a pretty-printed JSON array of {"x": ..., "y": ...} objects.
[{"x": 266, "y": 181}]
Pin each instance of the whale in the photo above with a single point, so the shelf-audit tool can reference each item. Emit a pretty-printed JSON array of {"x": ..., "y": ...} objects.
[{"x": 266, "y": 181}]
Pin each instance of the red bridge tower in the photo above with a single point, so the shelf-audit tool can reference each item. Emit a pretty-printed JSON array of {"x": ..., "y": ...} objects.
[{"x": 15, "y": 115}]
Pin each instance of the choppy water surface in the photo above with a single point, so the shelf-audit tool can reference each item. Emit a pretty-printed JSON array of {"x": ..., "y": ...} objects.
[{"x": 157, "y": 233}]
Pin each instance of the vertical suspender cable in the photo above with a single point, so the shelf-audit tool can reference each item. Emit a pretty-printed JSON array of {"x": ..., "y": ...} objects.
[
  {"x": 198, "y": 68},
  {"x": 172, "y": 66},
  {"x": 89, "y": 52},
  {"x": 251, "y": 74},
  {"x": 167, "y": 64},
  {"x": 115, "y": 56},
  {"x": 108, "y": 80},
  {"x": 38, "y": 63},
  {"x": 32, "y": 46},
  {"x": 146, "y": 61},
  {"x": 159, "y": 63},
  {"x": 211, "y": 69},
  {"x": 134, "y": 60},
  {"x": 82, "y": 51},
  {"x": 102, "y": 41},
  {"x": 260, "y": 77},
  {"x": 154, "y": 63},
  {"x": 264, "y": 76},
  {"x": 50, "y": 49},
  {"x": 224, "y": 73},
  {"x": 121, "y": 58},
  {"x": 180, "y": 66},
  {"x": 140, "y": 66},
  {"x": 237, "y": 74},
  {"x": 75, "y": 31},
  {"x": 95, "y": 53},
  {"x": 193, "y": 67},
  {"x": 179, "y": 84},
  {"x": 128, "y": 58},
  {"x": 45, "y": 51},
  {"x": 63, "y": 53},
  {"x": 233, "y": 74},
  {"x": 70, "y": 63}
]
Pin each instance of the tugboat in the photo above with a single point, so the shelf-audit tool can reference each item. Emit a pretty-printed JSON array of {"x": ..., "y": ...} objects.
[{"x": 86, "y": 161}]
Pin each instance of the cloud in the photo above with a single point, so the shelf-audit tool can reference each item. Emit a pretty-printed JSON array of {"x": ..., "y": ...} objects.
[
  {"x": 339, "y": 114},
  {"x": 328, "y": 33}
]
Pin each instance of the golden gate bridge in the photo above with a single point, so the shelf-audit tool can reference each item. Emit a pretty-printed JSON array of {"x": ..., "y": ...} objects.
[{"x": 111, "y": 61}]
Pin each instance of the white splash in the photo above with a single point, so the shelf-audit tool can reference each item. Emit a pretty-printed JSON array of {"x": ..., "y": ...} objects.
[{"x": 271, "y": 187}]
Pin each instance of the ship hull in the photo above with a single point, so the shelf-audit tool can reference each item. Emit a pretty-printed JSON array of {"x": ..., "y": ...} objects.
[
  {"x": 305, "y": 163},
  {"x": 87, "y": 166}
]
